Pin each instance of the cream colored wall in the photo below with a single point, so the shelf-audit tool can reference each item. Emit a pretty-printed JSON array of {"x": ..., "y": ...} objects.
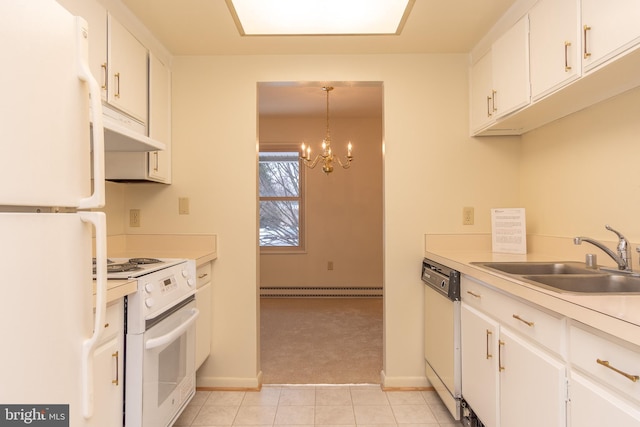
[
  {"x": 114, "y": 208},
  {"x": 431, "y": 170},
  {"x": 343, "y": 218},
  {"x": 581, "y": 172}
]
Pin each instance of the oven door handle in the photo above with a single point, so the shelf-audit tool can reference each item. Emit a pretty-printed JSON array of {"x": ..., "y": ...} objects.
[{"x": 171, "y": 336}]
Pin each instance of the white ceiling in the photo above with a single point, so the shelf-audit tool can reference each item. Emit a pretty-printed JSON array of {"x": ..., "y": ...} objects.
[{"x": 206, "y": 27}]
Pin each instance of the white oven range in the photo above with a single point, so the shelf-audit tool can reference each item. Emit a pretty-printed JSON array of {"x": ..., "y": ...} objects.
[{"x": 160, "y": 339}]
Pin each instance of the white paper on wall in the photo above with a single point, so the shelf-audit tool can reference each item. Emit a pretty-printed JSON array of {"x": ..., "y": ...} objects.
[{"x": 509, "y": 230}]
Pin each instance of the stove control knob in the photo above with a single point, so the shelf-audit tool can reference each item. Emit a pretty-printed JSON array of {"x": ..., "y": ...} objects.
[
  {"x": 149, "y": 302},
  {"x": 191, "y": 282},
  {"x": 185, "y": 273},
  {"x": 149, "y": 287}
]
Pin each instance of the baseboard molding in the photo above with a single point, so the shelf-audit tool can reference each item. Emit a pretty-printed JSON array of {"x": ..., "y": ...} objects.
[
  {"x": 229, "y": 383},
  {"x": 399, "y": 383},
  {"x": 320, "y": 292}
]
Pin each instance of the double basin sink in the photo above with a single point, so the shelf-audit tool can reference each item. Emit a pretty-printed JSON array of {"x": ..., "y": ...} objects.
[{"x": 568, "y": 277}]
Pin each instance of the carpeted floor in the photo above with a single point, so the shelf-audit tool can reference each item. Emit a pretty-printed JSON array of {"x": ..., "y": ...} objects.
[{"x": 321, "y": 340}]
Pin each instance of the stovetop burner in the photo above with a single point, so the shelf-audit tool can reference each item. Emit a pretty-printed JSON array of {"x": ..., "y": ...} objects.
[
  {"x": 133, "y": 264},
  {"x": 120, "y": 267},
  {"x": 125, "y": 268},
  {"x": 144, "y": 260}
]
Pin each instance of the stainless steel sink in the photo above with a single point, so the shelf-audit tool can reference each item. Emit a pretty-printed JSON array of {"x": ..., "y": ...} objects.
[
  {"x": 589, "y": 283},
  {"x": 568, "y": 277},
  {"x": 530, "y": 268}
]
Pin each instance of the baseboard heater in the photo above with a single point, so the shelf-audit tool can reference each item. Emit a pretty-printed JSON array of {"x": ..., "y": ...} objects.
[{"x": 320, "y": 292}]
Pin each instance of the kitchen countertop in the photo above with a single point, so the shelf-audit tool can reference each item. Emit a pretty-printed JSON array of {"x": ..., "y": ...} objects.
[
  {"x": 117, "y": 289},
  {"x": 618, "y": 315},
  {"x": 201, "y": 248}
]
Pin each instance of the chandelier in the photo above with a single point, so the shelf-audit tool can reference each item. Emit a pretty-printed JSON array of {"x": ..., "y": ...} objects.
[{"x": 326, "y": 155}]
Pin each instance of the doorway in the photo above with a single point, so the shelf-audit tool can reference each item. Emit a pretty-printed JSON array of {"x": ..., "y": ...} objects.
[{"x": 336, "y": 272}]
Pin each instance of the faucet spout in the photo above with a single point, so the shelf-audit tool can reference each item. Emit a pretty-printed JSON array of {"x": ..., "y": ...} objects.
[{"x": 622, "y": 258}]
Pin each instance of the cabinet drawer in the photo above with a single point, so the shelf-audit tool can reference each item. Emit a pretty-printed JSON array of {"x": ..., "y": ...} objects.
[
  {"x": 588, "y": 346},
  {"x": 203, "y": 274},
  {"x": 479, "y": 295},
  {"x": 531, "y": 321},
  {"x": 535, "y": 323},
  {"x": 114, "y": 320}
]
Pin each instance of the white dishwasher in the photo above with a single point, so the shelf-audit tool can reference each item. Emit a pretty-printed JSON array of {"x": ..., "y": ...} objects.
[{"x": 442, "y": 333}]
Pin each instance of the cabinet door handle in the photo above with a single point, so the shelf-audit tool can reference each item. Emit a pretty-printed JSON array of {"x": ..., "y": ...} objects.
[
  {"x": 489, "y": 355},
  {"x": 488, "y": 108},
  {"x": 155, "y": 168},
  {"x": 117, "y": 82},
  {"x": 104, "y": 76},
  {"x": 585, "y": 29},
  {"x": 526, "y": 322},
  {"x": 474, "y": 294},
  {"x": 117, "y": 379},
  {"x": 567, "y": 67},
  {"x": 494, "y": 96},
  {"x": 606, "y": 364},
  {"x": 202, "y": 276},
  {"x": 500, "y": 345}
]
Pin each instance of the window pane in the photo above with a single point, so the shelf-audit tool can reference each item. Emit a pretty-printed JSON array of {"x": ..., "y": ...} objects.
[
  {"x": 279, "y": 223},
  {"x": 279, "y": 174}
]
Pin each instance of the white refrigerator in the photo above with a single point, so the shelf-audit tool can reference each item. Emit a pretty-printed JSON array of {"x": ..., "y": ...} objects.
[{"x": 47, "y": 229}]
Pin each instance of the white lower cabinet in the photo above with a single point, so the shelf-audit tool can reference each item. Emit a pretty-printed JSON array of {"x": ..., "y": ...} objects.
[
  {"x": 479, "y": 346},
  {"x": 523, "y": 365},
  {"x": 510, "y": 378},
  {"x": 604, "y": 379},
  {"x": 594, "y": 406},
  {"x": 108, "y": 368},
  {"x": 533, "y": 388},
  {"x": 204, "y": 304}
]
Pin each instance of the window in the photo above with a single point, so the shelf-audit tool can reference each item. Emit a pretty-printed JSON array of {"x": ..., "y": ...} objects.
[{"x": 281, "y": 207}]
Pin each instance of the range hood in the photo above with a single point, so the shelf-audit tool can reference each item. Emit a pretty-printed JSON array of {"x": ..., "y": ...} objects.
[{"x": 123, "y": 133}]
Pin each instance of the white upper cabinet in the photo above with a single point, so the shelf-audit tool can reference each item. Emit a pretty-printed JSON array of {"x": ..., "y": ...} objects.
[
  {"x": 160, "y": 119},
  {"x": 562, "y": 57},
  {"x": 510, "y": 57},
  {"x": 127, "y": 71},
  {"x": 481, "y": 82},
  {"x": 609, "y": 28},
  {"x": 555, "y": 45}
]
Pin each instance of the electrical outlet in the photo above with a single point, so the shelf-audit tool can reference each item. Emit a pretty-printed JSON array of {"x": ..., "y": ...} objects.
[
  {"x": 183, "y": 206},
  {"x": 330, "y": 265},
  {"x": 134, "y": 217},
  {"x": 467, "y": 215}
]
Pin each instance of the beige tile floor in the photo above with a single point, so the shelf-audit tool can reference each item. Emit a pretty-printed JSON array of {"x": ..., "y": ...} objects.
[{"x": 321, "y": 405}]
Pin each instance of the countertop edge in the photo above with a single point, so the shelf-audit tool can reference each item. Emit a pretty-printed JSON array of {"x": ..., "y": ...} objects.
[
  {"x": 116, "y": 289},
  {"x": 567, "y": 305}
]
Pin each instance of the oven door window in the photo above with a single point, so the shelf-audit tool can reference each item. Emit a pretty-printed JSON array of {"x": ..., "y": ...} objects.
[
  {"x": 172, "y": 368},
  {"x": 169, "y": 365}
]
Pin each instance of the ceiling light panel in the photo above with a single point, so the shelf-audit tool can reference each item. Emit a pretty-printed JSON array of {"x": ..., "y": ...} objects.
[{"x": 319, "y": 17}]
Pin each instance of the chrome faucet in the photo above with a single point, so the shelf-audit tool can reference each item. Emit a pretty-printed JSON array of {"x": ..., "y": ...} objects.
[{"x": 622, "y": 258}]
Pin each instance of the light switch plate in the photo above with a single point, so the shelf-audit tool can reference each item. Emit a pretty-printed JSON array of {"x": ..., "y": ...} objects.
[
  {"x": 467, "y": 215},
  {"x": 183, "y": 206},
  {"x": 134, "y": 217}
]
